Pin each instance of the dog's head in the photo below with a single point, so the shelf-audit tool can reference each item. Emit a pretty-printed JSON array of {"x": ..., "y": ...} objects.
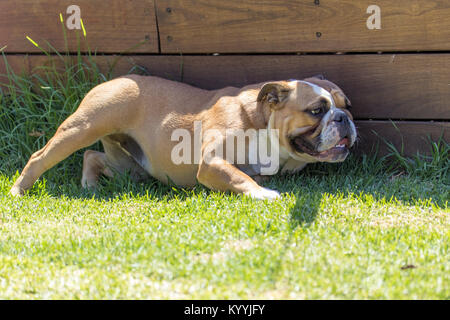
[{"x": 312, "y": 118}]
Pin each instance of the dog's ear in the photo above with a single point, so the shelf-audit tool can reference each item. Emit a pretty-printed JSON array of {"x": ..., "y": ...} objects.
[
  {"x": 341, "y": 99},
  {"x": 274, "y": 93}
]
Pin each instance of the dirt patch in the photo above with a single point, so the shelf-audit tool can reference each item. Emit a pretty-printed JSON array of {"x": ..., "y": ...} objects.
[
  {"x": 433, "y": 221},
  {"x": 229, "y": 248}
]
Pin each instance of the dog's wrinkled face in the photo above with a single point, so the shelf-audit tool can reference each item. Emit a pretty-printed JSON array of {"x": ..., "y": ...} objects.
[{"x": 312, "y": 118}]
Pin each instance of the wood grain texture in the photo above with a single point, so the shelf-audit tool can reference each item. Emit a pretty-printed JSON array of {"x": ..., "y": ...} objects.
[
  {"x": 402, "y": 86},
  {"x": 112, "y": 26},
  {"x": 236, "y": 26},
  {"x": 408, "y": 137}
]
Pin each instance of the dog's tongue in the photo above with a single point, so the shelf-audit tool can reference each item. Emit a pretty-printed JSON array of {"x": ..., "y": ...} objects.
[{"x": 344, "y": 141}]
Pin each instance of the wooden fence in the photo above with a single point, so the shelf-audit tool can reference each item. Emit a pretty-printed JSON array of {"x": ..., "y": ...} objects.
[{"x": 392, "y": 58}]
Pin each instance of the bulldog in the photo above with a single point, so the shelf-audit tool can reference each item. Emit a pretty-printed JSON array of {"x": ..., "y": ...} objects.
[{"x": 135, "y": 117}]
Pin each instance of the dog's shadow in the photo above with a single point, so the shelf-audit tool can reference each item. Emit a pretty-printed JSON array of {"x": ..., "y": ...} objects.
[
  {"x": 304, "y": 211},
  {"x": 323, "y": 184}
]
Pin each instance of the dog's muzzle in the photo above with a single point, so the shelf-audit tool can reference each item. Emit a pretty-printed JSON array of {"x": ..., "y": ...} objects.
[{"x": 338, "y": 134}]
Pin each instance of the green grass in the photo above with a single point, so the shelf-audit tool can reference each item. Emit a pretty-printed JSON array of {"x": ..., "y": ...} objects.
[{"x": 368, "y": 228}]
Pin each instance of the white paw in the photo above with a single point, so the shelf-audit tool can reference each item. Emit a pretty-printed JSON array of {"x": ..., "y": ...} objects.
[
  {"x": 264, "y": 194},
  {"x": 16, "y": 192}
]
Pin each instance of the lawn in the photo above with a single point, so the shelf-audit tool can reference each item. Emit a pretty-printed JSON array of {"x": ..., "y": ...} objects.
[{"x": 369, "y": 228}]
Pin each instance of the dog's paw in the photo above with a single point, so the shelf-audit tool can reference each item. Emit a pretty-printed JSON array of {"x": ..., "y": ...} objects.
[
  {"x": 16, "y": 192},
  {"x": 263, "y": 194}
]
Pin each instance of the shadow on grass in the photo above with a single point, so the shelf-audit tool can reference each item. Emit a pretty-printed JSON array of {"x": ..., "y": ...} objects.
[
  {"x": 357, "y": 175},
  {"x": 123, "y": 186},
  {"x": 305, "y": 210}
]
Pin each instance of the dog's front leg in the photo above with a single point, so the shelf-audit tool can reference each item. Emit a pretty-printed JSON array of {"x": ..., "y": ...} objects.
[{"x": 219, "y": 174}]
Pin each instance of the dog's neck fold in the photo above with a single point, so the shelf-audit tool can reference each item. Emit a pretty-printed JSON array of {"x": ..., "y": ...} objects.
[{"x": 274, "y": 143}]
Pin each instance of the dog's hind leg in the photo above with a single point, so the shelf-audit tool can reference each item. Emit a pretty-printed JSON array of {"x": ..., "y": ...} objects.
[
  {"x": 94, "y": 164},
  {"x": 123, "y": 154},
  {"x": 70, "y": 137},
  {"x": 102, "y": 112},
  {"x": 115, "y": 159}
]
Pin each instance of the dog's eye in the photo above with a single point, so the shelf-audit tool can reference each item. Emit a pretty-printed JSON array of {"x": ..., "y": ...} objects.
[{"x": 316, "y": 111}]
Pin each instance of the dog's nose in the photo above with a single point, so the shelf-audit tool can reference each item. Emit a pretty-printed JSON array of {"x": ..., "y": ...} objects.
[{"x": 338, "y": 117}]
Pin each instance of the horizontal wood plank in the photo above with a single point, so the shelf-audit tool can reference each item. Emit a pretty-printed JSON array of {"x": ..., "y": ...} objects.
[
  {"x": 412, "y": 135},
  {"x": 236, "y": 26},
  {"x": 379, "y": 86},
  {"x": 111, "y": 26},
  {"x": 402, "y": 86}
]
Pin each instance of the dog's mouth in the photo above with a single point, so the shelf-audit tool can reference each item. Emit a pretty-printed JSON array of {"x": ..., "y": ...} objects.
[{"x": 301, "y": 145}]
